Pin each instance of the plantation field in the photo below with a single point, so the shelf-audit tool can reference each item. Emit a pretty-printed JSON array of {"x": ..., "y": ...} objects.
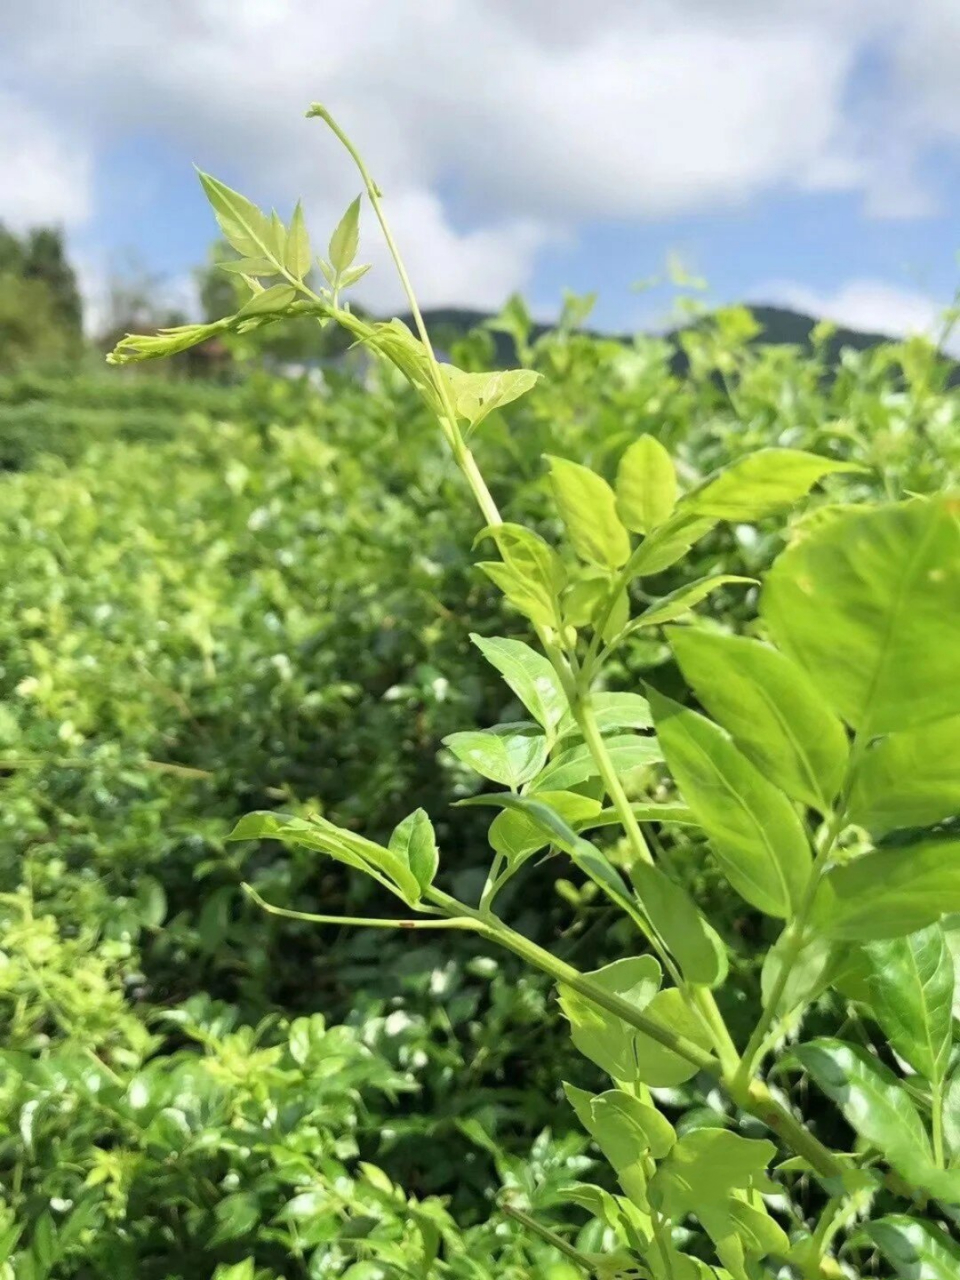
[{"x": 258, "y": 596}]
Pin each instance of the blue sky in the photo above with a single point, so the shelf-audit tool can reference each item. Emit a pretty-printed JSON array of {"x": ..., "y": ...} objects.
[{"x": 807, "y": 155}]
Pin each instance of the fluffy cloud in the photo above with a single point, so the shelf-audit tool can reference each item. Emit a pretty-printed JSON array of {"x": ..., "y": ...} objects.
[
  {"x": 46, "y": 177},
  {"x": 872, "y": 306},
  {"x": 495, "y": 127}
]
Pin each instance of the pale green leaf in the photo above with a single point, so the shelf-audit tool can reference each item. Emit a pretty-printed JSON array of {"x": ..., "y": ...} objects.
[
  {"x": 587, "y": 507},
  {"x": 911, "y": 987},
  {"x": 753, "y": 828},
  {"x": 577, "y": 764},
  {"x": 346, "y": 238},
  {"x": 695, "y": 945},
  {"x": 868, "y": 603},
  {"x": 506, "y": 755},
  {"x": 770, "y": 708},
  {"x": 345, "y": 846},
  {"x": 612, "y": 712},
  {"x": 655, "y": 1064},
  {"x": 276, "y": 298},
  {"x": 890, "y": 893},
  {"x": 761, "y": 484},
  {"x": 415, "y": 842},
  {"x": 909, "y": 779},
  {"x": 646, "y": 485},
  {"x": 250, "y": 267},
  {"x": 681, "y": 601},
  {"x": 528, "y": 674},
  {"x": 605, "y": 1039},
  {"x": 517, "y": 835},
  {"x": 245, "y": 227},
  {"x": 475, "y": 395},
  {"x": 705, "y": 1167},
  {"x": 298, "y": 255}
]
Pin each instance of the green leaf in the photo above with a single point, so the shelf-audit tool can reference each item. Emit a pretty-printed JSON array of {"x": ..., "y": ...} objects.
[
  {"x": 475, "y": 395},
  {"x": 588, "y": 508},
  {"x": 505, "y": 754},
  {"x": 589, "y": 859},
  {"x": 617, "y": 1110},
  {"x": 346, "y": 238},
  {"x": 657, "y": 1065},
  {"x": 518, "y": 836},
  {"x": 810, "y": 972},
  {"x": 753, "y": 828},
  {"x": 628, "y": 1132},
  {"x": 867, "y": 602},
  {"x": 415, "y": 841},
  {"x": 236, "y": 1215},
  {"x": 276, "y": 298},
  {"x": 605, "y": 1039},
  {"x": 911, "y": 995},
  {"x": 244, "y": 226},
  {"x": 298, "y": 255},
  {"x": 529, "y": 675},
  {"x": 681, "y": 601},
  {"x": 344, "y": 846},
  {"x": 250, "y": 267},
  {"x": 761, "y": 484},
  {"x": 705, "y": 1167},
  {"x": 612, "y": 711},
  {"x": 916, "y": 1250},
  {"x": 576, "y": 765},
  {"x": 532, "y": 574},
  {"x": 646, "y": 485},
  {"x": 873, "y": 1101},
  {"x": 770, "y": 708},
  {"x": 889, "y": 893},
  {"x": 666, "y": 545},
  {"x": 909, "y": 779},
  {"x": 695, "y": 945}
]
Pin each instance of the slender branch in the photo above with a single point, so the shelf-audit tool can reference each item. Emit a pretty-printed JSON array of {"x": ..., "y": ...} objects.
[
  {"x": 370, "y": 922},
  {"x": 550, "y": 1237},
  {"x": 464, "y": 457}
]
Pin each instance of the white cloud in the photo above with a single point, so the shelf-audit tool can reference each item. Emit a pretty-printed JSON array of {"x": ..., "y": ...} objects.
[
  {"x": 871, "y": 306},
  {"x": 538, "y": 116},
  {"x": 44, "y": 176}
]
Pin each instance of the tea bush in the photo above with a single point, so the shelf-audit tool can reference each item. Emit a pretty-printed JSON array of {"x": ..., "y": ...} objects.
[{"x": 262, "y": 597}]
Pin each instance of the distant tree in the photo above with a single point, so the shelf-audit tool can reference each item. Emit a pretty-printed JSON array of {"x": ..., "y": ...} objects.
[
  {"x": 40, "y": 307},
  {"x": 45, "y": 259}
]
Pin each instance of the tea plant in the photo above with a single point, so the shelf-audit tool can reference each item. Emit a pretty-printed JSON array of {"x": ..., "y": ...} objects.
[{"x": 821, "y": 782}]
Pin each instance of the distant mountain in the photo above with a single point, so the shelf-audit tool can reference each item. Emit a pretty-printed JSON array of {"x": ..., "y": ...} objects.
[{"x": 779, "y": 326}]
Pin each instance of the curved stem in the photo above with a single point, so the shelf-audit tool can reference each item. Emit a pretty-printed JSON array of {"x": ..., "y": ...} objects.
[
  {"x": 464, "y": 457},
  {"x": 370, "y": 922}
]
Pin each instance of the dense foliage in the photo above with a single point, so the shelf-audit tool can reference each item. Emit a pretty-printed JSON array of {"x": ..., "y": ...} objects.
[{"x": 219, "y": 600}]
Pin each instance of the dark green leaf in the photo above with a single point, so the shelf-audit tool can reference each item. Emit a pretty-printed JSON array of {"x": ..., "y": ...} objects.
[
  {"x": 872, "y": 1099},
  {"x": 916, "y": 1250}
]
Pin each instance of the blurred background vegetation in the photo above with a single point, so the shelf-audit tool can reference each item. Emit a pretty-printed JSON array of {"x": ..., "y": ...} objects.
[{"x": 244, "y": 580}]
